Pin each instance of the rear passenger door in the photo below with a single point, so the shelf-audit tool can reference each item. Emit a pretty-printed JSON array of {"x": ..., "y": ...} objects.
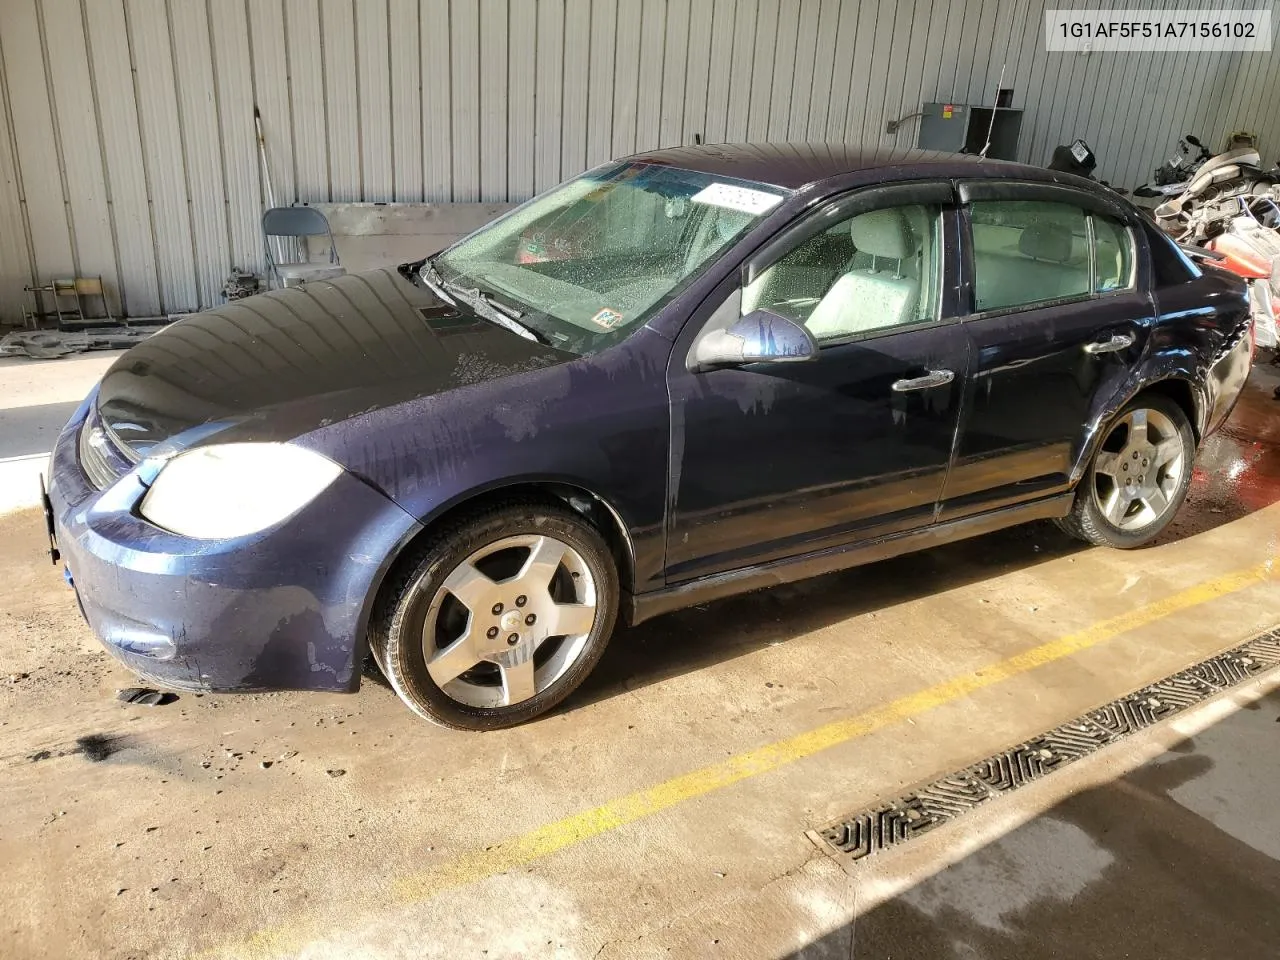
[{"x": 1059, "y": 309}]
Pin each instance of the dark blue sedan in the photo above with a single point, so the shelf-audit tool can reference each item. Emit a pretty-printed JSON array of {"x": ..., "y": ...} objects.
[{"x": 679, "y": 376}]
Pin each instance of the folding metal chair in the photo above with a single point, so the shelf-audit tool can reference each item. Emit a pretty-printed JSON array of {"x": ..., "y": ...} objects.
[{"x": 294, "y": 265}]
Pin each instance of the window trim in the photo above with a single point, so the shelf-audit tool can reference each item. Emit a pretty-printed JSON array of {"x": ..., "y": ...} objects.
[
  {"x": 1055, "y": 194},
  {"x": 1089, "y": 200}
]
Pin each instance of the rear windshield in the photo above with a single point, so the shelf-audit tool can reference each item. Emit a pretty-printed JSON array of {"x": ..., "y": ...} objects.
[{"x": 594, "y": 258}]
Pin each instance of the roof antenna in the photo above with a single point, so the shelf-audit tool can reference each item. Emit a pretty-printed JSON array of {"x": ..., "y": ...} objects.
[{"x": 991, "y": 126}]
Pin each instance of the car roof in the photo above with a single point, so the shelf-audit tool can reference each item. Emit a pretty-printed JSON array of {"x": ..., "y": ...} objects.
[{"x": 794, "y": 165}]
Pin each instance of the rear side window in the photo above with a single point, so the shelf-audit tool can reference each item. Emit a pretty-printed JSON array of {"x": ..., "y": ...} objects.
[{"x": 1026, "y": 252}]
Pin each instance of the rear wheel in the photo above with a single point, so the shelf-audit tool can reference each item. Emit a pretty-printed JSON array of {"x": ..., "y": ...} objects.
[
  {"x": 497, "y": 618},
  {"x": 1138, "y": 477}
]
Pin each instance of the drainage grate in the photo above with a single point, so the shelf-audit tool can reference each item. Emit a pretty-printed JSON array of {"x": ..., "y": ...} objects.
[{"x": 944, "y": 800}]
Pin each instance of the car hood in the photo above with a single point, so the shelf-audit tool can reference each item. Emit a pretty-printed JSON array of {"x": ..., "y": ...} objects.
[{"x": 280, "y": 364}]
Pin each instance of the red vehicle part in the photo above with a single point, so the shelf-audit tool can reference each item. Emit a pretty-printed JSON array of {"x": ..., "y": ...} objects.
[{"x": 1241, "y": 258}]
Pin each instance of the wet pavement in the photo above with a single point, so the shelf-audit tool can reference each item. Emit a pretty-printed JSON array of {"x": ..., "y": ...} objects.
[
  {"x": 1177, "y": 858},
  {"x": 1238, "y": 469}
]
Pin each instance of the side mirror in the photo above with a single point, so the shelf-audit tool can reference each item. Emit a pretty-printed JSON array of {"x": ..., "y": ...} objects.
[{"x": 759, "y": 337}]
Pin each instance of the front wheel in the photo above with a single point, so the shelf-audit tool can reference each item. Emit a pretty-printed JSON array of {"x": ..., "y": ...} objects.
[
  {"x": 1138, "y": 477},
  {"x": 497, "y": 618}
]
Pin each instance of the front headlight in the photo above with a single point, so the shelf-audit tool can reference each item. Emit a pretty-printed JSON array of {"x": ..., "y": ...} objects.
[{"x": 234, "y": 489}]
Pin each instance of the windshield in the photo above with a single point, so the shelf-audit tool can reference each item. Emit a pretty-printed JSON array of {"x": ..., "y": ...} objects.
[{"x": 592, "y": 259}]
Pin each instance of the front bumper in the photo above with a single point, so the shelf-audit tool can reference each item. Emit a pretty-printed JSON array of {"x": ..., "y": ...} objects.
[{"x": 284, "y": 609}]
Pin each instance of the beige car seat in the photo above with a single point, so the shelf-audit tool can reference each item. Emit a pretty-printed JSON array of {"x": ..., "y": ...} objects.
[{"x": 882, "y": 294}]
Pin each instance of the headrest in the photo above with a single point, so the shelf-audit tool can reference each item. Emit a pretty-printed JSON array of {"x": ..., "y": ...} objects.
[
  {"x": 1046, "y": 241},
  {"x": 883, "y": 233}
]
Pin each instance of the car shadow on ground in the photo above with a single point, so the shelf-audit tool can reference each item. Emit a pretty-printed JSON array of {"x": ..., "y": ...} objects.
[{"x": 707, "y": 634}]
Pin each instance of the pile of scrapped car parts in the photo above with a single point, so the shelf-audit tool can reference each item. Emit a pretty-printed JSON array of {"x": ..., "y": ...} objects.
[
  {"x": 888, "y": 825},
  {"x": 52, "y": 344}
]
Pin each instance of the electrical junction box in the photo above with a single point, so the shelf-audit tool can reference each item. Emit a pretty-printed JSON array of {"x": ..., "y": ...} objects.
[{"x": 962, "y": 128}]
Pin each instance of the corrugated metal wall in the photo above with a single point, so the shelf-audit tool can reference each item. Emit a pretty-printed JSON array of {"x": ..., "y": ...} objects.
[{"x": 127, "y": 145}]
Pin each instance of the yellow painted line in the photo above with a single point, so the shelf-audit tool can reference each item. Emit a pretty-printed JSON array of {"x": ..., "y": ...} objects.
[{"x": 576, "y": 828}]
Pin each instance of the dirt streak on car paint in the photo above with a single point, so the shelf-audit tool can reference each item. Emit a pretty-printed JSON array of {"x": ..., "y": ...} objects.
[{"x": 554, "y": 837}]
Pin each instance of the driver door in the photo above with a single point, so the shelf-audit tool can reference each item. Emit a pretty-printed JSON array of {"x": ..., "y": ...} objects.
[{"x": 772, "y": 460}]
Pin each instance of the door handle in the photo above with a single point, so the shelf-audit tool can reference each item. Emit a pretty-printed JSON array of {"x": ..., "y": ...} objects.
[
  {"x": 935, "y": 378},
  {"x": 1117, "y": 342}
]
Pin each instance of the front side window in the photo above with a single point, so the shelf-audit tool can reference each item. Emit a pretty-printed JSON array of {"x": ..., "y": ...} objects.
[
  {"x": 594, "y": 258},
  {"x": 874, "y": 271}
]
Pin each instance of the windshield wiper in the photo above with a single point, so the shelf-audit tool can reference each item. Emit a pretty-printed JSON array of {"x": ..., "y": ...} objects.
[
  {"x": 431, "y": 277},
  {"x": 484, "y": 305}
]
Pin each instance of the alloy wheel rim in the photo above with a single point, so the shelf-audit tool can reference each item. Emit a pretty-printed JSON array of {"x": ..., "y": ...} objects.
[
  {"x": 509, "y": 621},
  {"x": 1138, "y": 469}
]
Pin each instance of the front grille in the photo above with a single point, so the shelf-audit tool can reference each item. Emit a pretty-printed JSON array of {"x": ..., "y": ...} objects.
[{"x": 99, "y": 459}]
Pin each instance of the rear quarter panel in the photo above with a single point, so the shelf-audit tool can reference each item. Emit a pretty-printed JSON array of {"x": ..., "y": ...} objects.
[{"x": 1197, "y": 322}]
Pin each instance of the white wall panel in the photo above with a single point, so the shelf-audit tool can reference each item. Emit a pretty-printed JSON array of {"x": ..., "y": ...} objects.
[
  {"x": 802, "y": 71},
  {"x": 271, "y": 96},
  {"x": 373, "y": 80},
  {"x": 675, "y": 64},
  {"x": 86, "y": 188},
  {"x": 201, "y": 140},
  {"x": 464, "y": 56},
  {"x": 652, "y": 63},
  {"x": 697, "y": 71},
  {"x": 436, "y": 33},
  {"x": 121, "y": 143},
  {"x": 31, "y": 112},
  {"x": 15, "y": 254},
  {"x": 522, "y": 85},
  {"x": 761, "y": 91},
  {"x": 162, "y": 153},
  {"x": 741, "y": 69},
  {"x": 549, "y": 95},
  {"x": 819, "y": 100},
  {"x": 719, "y": 63},
  {"x": 784, "y": 61},
  {"x": 576, "y": 74},
  {"x": 306, "y": 99},
  {"x": 407, "y": 96},
  {"x": 600, "y": 52},
  {"x": 233, "y": 67},
  {"x": 494, "y": 118},
  {"x": 127, "y": 145},
  {"x": 341, "y": 98},
  {"x": 626, "y": 74}
]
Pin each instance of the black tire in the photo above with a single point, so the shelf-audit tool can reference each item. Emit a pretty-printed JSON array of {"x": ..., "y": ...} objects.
[
  {"x": 396, "y": 630},
  {"x": 1086, "y": 520}
]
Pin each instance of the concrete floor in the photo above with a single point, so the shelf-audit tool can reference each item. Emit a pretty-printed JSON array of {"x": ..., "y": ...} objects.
[{"x": 663, "y": 811}]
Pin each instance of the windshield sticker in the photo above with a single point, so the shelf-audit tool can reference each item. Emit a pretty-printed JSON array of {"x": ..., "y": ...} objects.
[
  {"x": 607, "y": 319},
  {"x": 737, "y": 198}
]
